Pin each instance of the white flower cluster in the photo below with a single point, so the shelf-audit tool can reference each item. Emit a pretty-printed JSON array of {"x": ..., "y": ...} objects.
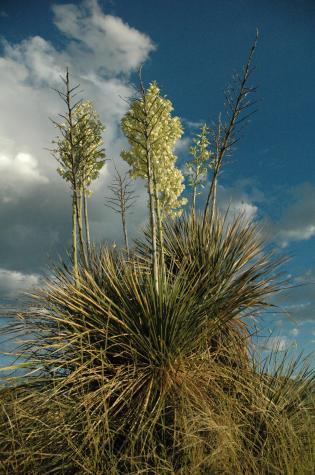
[
  {"x": 197, "y": 168},
  {"x": 152, "y": 131},
  {"x": 86, "y": 137}
]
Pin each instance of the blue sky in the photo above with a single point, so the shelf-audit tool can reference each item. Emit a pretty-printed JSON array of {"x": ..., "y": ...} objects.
[{"x": 191, "y": 49}]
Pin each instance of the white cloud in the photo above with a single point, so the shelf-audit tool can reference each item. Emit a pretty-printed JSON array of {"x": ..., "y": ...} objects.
[
  {"x": 42, "y": 61},
  {"x": 241, "y": 197},
  {"x": 301, "y": 234},
  {"x": 98, "y": 43},
  {"x": 194, "y": 125},
  {"x": 182, "y": 145},
  {"x": 18, "y": 174},
  {"x": 101, "y": 42},
  {"x": 294, "y": 331},
  {"x": 13, "y": 282},
  {"x": 298, "y": 220},
  {"x": 248, "y": 209},
  {"x": 276, "y": 343}
]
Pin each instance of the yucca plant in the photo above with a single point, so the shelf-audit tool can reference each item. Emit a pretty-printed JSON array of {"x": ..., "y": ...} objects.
[
  {"x": 126, "y": 380},
  {"x": 230, "y": 259}
]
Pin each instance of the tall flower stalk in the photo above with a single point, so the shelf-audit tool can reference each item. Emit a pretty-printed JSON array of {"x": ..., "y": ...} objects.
[
  {"x": 225, "y": 133},
  {"x": 80, "y": 153},
  {"x": 152, "y": 134},
  {"x": 196, "y": 169},
  {"x": 122, "y": 198}
]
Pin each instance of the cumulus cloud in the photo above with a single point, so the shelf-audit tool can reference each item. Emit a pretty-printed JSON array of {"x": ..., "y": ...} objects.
[
  {"x": 242, "y": 197},
  {"x": 275, "y": 343},
  {"x": 13, "y": 282},
  {"x": 18, "y": 174},
  {"x": 194, "y": 125},
  {"x": 96, "y": 42},
  {"x": 294, "y": 331},
  {"x": 298, "y": 220},
  {"x": 102, "y": 42},
  {"x": 182, "y": 145},
  {"x": 242, "y": 207},
  {"x": 41, "y": 60}
]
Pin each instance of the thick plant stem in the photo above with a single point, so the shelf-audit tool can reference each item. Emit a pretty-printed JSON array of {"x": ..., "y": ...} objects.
[
  {"x": 214, "y": 200},
  {"x": 74, "y": 240},
  {"x": 153, "y": 222},
  {"x": 193, "y": 208},
  {"x": 211, "y": 198},
  {"x": 124, "y": 225},
  {"x": 80, "y": 228},
  {"x": 159, "y": 225},
  {"x": 86, "y": 222}
]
